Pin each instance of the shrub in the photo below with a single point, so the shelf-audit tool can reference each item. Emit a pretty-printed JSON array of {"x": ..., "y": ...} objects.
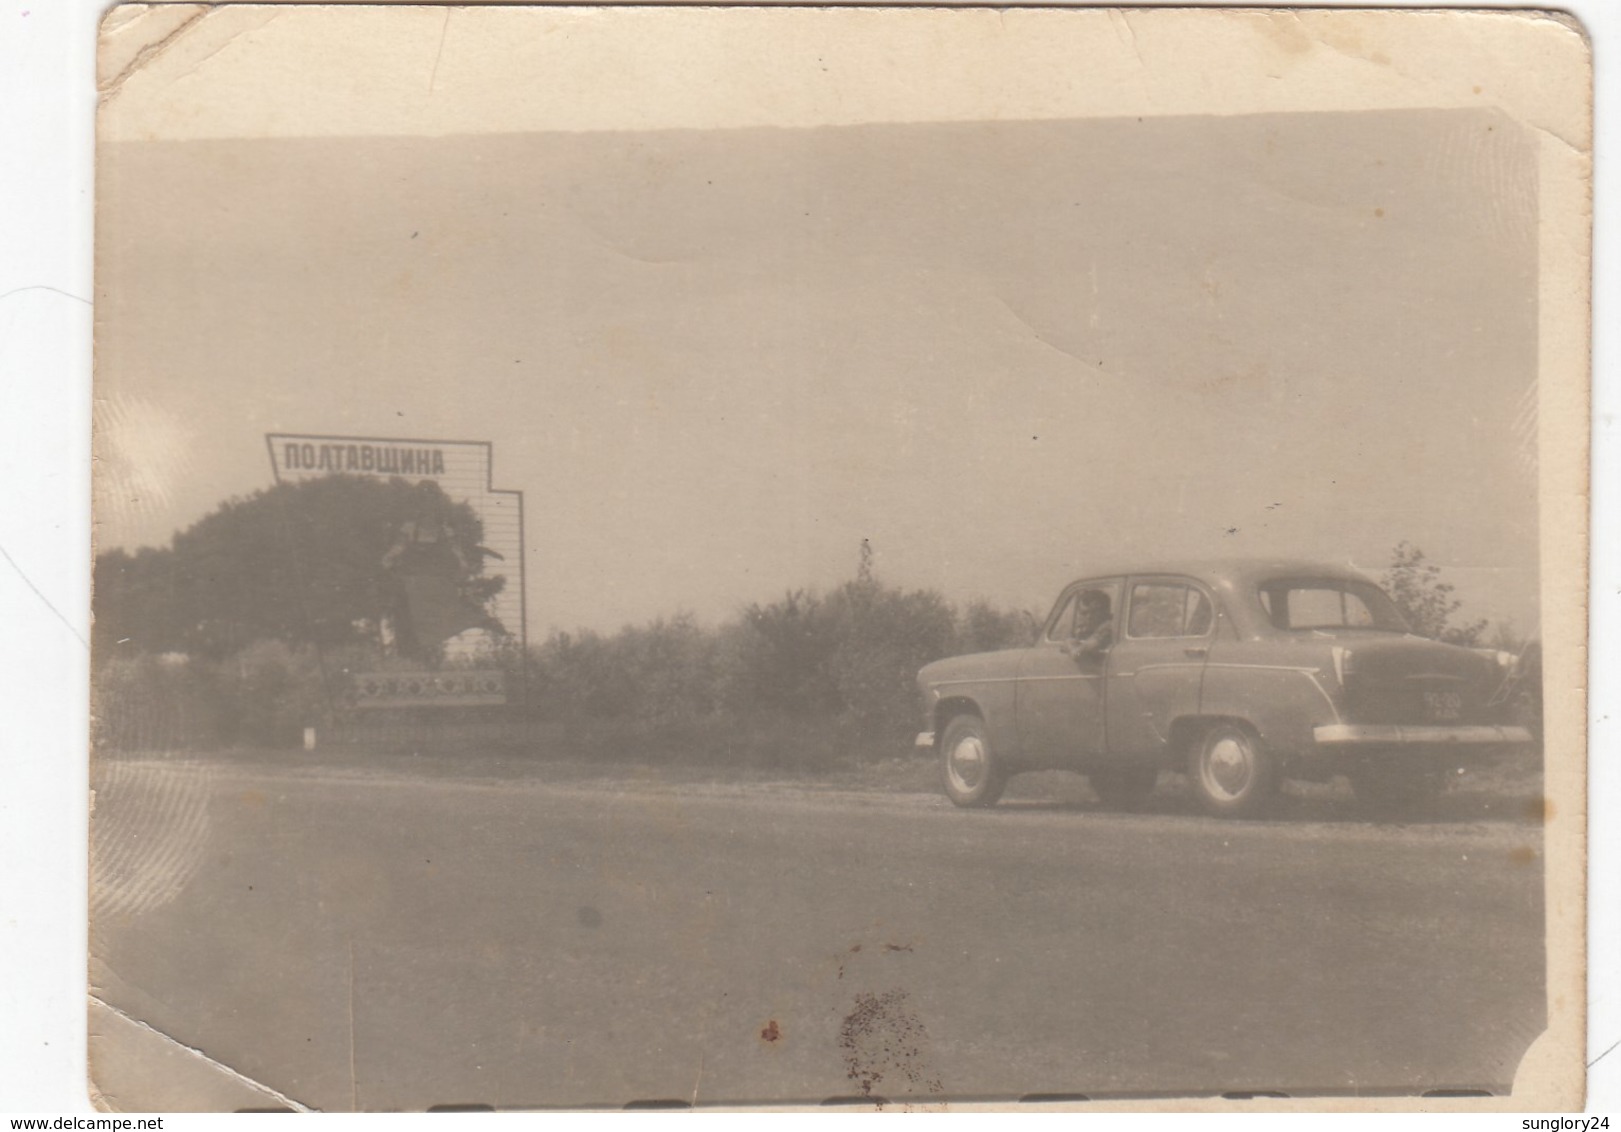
[
  {"x": 274, "y": 691},
  {"x": 665, "y": 670},
  {"x": 265, "y": 695},
  {"x": 806, "y": 682},
  {"x": 984, "y": 628},
  {"x": 882, "y": 637},
  {"x": 779, "y": 658},
  {"x": 152, "y": 703},
  {"x": 1415, "y": 585},
  {"x": 810, "y": 679}
]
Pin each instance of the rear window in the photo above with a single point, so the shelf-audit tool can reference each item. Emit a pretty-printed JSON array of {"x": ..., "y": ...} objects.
[{"x": 1329, "y": 603}]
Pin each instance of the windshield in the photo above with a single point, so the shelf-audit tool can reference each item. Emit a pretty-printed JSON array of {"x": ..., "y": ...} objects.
[{"x": 1329, "y": 603}]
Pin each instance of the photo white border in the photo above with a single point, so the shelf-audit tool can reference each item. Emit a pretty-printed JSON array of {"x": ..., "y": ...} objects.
[{"x": 47, "y": 100}]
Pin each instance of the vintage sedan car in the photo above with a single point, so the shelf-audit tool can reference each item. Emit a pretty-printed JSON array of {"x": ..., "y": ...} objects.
[{"x": 1240, "y": 673}]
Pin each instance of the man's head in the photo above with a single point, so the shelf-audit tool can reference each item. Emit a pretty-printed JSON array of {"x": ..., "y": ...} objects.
[{"x": 1093, "y": 612}]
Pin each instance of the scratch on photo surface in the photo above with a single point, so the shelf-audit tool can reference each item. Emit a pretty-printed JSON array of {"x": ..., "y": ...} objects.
[
  {"x": 110, "y": 88},
  {"x": 268, "y": 18},
  {"x": 1036, "y": 335},
  {"x": 444, "y": 30},
  {"x": 1118, "y": 17},
  {"x": 354, "y": 1079}
]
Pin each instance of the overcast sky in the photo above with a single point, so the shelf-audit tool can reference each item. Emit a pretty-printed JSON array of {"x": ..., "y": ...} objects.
[{"x": 714, "y": 361}]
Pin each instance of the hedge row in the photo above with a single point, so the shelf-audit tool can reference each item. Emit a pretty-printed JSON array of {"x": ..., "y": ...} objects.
[{"x": 847, "y": 659}]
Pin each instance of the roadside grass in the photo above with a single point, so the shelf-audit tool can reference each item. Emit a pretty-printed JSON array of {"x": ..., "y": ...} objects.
[
  {"x": 714, "y": 744},
  {"x": 765, "y": 753},
  {"x": 1510, "y": 791}
]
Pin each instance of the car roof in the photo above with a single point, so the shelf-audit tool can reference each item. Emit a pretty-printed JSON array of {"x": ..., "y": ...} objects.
[{"x": 1237, "y": 571}]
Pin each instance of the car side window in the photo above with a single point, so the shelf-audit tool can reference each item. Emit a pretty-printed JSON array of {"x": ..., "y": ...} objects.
[
  {"x": 1168, "y": 609},
  {"x": 1059, "y": 629},
  {"x": 1200, "y": 615},
  {"x": 1072, "y": 620},
  {"x": 1328, "y": 607},
  {"x": 1316, "y": 607}
]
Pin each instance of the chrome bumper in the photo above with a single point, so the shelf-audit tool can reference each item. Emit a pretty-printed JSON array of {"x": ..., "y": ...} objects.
[
  {"x": 924, "y": 739},
  {"x": 1392, "y": 734}
]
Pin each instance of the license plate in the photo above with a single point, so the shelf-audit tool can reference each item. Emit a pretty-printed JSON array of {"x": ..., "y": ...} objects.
[{"x": 1444, "y": 707}]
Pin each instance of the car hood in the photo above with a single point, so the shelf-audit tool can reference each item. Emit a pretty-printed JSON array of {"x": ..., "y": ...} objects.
[{"x": 974, "y": 666}]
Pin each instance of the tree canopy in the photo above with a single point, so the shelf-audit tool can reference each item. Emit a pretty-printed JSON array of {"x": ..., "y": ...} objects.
[
  {"x": 1426, "y": 601},
  {"x": 303, "y": 563}
]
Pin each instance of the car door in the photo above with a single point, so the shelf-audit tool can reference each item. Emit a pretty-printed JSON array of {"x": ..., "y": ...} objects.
[
  {"x": 1060, "y": 706},
  {"x": 1157, "y": 664}
]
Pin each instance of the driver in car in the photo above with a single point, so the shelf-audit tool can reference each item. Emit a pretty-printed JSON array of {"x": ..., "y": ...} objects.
[{"x": 1093, "y": 631}]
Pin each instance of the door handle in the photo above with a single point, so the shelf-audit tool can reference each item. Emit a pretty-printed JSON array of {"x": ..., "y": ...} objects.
[{"x": 1198, "y": 651}]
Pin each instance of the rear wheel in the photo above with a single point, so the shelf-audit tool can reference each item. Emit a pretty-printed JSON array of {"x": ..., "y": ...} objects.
[
  {"x": 1123, "y": 787},
  {"x": 972, "y": 774},
  {"x": 1231, "y": 773}
]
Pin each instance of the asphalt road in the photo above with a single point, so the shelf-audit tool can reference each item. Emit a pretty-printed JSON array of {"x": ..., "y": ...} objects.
[{"x": 364, "y": 941}]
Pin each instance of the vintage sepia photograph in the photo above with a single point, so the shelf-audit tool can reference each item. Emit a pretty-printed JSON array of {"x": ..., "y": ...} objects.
[{"x": 876, "y": 557}]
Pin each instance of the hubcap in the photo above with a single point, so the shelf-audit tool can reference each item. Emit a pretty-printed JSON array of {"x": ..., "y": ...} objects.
[
  {"x": 966, "y": 763},
  {"x": 1228, "y": 767}
]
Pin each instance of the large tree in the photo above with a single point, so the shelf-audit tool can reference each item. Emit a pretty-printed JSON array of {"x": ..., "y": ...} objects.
[{"x": 315, "y": 562}]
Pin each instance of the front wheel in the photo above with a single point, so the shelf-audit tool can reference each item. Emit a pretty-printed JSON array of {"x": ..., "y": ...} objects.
[
  {"x": 1231, "y": 773},
  {"x": 972, "y": 775}
]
